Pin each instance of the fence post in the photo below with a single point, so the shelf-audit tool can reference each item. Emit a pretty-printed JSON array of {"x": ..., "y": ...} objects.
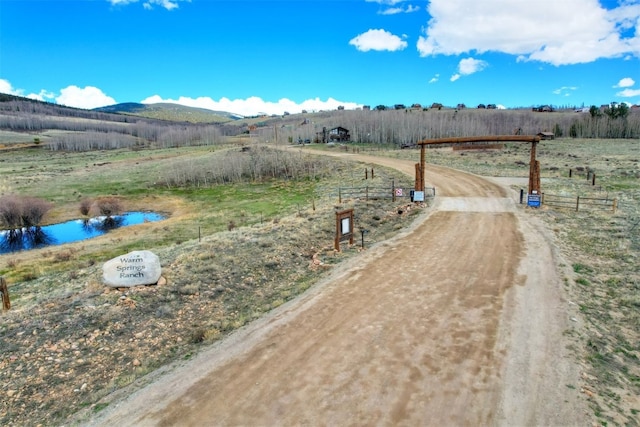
[
  {"x": 366, "y": 173},
  {"x": 615, "y": 205},
  {"x": 577, "y": 203},
  {"x": 521, "y": 195},
  {"x": 6, "y": 302},
  {"x": 593, "y": 182},
  {"x": 366, "y": 193},
  {"x": 371, "y": 173},
  {"x": 339, "y": 195},
  {"x": 570, "y": 172},
  {"x": 393, "y": 191}
]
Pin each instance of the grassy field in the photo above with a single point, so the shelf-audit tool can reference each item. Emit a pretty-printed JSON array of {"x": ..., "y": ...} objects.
[
  {"x": 232, "y": 251},
  {"x": 69, "y": 341}
]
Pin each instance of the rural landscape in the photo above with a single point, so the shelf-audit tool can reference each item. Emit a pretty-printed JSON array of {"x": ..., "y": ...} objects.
[{"x": 250, "y": 266}]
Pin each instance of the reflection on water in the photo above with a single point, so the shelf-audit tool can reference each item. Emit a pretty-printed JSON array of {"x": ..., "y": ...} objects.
[
  {"x": 24, "y": 238},
  {"x": 71, "y": 231}
]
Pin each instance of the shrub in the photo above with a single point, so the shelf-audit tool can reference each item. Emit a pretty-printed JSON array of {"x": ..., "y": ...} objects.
[
  {"x": 85, "y": 206},
  {"x": 21, "y": 211},
  {"x": 34, "y": 210},
  {"x": 10, "y": 211},
  {"x": 108, "y": 206}
]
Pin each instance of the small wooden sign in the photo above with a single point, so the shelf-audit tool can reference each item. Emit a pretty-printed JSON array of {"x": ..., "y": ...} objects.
[{"x": 344, "y": 227}]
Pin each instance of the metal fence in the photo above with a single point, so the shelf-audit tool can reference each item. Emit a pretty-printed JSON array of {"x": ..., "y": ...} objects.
[{"x": 579, "y": 202}]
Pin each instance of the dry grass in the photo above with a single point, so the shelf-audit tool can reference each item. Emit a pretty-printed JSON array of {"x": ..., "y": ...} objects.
[{"x": 70, "y": 341}]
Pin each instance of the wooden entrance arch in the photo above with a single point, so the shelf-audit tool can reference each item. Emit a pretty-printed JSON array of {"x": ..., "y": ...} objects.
[{"x": 534, "y": 165}]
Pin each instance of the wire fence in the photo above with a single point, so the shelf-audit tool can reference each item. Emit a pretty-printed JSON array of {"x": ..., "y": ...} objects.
[
  {"x": 393, "y": 192},
  {"x": 579, "y": 202}
]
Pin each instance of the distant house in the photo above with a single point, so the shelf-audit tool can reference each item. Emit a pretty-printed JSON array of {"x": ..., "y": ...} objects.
[
  {"x": 546, "y": 135},
  {"x": 339, "y": 134}
]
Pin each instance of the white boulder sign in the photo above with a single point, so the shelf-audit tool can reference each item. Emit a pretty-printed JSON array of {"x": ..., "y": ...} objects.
[{"x": 136, "y": 268}]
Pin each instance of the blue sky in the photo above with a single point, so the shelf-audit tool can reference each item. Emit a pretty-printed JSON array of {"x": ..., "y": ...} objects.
[{"x": 270, "y": 56}]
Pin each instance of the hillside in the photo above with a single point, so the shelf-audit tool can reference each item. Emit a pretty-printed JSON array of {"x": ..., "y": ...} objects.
[{"x": 171, "y": 112}]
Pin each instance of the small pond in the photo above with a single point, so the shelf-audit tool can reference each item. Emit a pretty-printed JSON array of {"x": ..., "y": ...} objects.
[{"x": 70, "y": 231}]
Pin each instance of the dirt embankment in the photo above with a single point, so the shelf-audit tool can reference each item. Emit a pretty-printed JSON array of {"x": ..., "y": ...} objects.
[{"x": 457, "y": 321}]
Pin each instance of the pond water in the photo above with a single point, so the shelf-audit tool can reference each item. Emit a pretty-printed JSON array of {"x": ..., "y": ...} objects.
[{"x": 70, "y": 231}]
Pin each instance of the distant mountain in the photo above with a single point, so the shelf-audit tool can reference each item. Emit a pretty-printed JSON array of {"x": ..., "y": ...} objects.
[{"x": 169, "y": 111}]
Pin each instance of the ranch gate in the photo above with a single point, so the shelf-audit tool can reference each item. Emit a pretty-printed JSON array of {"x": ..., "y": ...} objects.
[{"x": 534, "y": 165}]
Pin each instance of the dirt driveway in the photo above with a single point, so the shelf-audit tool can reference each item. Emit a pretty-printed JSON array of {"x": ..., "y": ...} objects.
[{"x": 458, "y": 321}]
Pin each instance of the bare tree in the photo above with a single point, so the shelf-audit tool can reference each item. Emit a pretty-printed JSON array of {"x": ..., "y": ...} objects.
[
  {"x": 10, "y": 211},
  {"x": 85, "y": 206},
  {"x": 22, "y": 211},
  {"x": 108, "y": 206}
]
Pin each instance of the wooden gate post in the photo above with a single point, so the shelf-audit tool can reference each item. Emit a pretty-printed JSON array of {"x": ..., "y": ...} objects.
[
  {"x": 6, "y": 302},
  {"x": 423, "y": 167},
  {"x": 534, "y": 171}
]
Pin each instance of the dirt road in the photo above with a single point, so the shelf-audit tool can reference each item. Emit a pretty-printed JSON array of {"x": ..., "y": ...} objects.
[{"x": 458, "y": 321}]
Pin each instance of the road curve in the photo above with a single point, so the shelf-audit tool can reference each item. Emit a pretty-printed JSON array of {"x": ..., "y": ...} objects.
[{"x": 457, "y": 321}]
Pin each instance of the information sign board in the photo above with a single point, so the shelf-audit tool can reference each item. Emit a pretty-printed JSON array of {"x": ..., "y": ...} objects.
[
  {"x": 417, "y": 196},
  {"x": 533, "y": 200}
]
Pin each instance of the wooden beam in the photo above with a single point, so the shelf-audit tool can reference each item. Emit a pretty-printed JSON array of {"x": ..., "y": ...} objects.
[
  {"x": 534, "y": 165},
  {"x": 491, "y": 138}
]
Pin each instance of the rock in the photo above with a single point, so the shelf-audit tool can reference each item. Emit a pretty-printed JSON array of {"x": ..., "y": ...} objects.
[{"x": 136, "y": 268}]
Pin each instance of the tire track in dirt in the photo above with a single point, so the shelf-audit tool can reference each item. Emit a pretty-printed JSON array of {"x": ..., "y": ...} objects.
[{"x": 413, "y": 334}]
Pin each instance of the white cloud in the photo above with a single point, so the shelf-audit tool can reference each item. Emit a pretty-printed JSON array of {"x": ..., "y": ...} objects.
[
  {"x": 629, "y": 93},
  {"x": 7, "y": 87},
  {"x": 561, "y": 32},
  {"x": 626, "y": 82},
  {"x": 396, "y": 10},
  {"x": 121, "y": 2},
  {"x": 378, "y": 40},
  {"x": 149, "y": 4},
  {"x": 565, "y": 90},
  {"x": 43, "y": 95},
  {"x": 385, "y": 2},
  {"x": 254, "y": 105},
  {"x": 435, "y": 78},
  {"x": 470, "y": 65},
  {"x": 88, "y": 97}
]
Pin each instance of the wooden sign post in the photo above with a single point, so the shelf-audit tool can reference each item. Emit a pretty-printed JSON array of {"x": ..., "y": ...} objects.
[
  {"x": 344, "y": 227},
  {"x": 6, "y": 302}
]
